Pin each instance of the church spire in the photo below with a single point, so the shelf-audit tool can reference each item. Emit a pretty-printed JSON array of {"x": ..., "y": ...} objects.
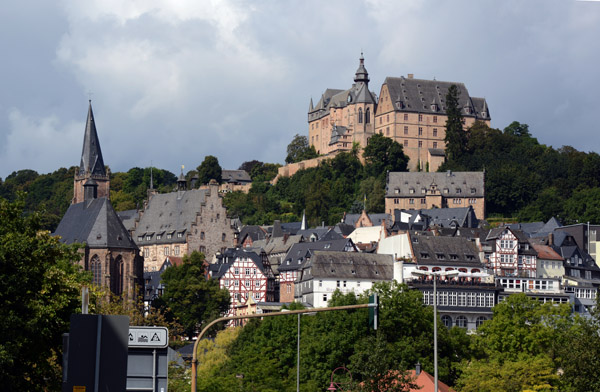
[{"x": 91, "y": 155}]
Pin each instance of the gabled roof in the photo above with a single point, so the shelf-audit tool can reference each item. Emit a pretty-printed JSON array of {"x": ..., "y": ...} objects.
[
  {"x": 91, "y": 155},
  {"x": 444, "y": 217},
  {"x": 416, "y": 95},
  {"x": 256, "y": 233},
  {"x": 128, "y": 218},
  {"x": 545, "y": 252},
  {"x": 219, "y": 269},
  {"x": 95, "y": 223},
  {"x": 449, "y": 184},
  {"x": 450, "y": 251},
  {"x": 170, "y": 212},
  {"x": 298, "y": 253},
  {"x": 376, "y": 218},
  {"x": 349, "y": 265},
  {"x": 235, "y": 176}
]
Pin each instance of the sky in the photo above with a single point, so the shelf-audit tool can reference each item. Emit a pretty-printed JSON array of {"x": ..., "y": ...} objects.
[{"x": 174, "y": 81}]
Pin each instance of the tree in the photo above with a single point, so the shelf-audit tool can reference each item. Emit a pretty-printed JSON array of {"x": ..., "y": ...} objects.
[
  {"x": 382, "y": 154},
  {"x": 517, "y": 129},
  {"x": 209, "y": 169},
  {"x": 39, "y": 290},
  {"x": 456, "y": 137},
  {"x": 193, "y": 298},
  {"x": 299, "y": 150}
]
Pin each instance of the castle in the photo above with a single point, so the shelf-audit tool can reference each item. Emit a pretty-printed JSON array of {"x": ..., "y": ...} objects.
[{"x": 410, "y": 111}]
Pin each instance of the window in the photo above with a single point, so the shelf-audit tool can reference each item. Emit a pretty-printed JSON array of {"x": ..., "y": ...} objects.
[
  {"x": 96, "y": 268},
  {"x": 146, "y": 252},
  {"x": 236, "y": 283},
  {"x": 169, "y": 236},
  {"x": 203, "y": 249},
  {"x": 158, "y": 236},
  {"x": 223, "y": 237},
  {"x": 148, "y": 237},
  {"x": 435, "y": 132},
  {"x": 420, "y": 117},
  {"x": 324, "y": 297},
  {"x": 201, "y": 235},
  {"x": 254, "y": 271},
  {"x": 360, "y": 115},
  {"x": 236, "y": 271},
  {"x": 180, "y": 234},
  {"x": 420, "y": 143},
  {"x": 461, "y": 322},
  {"x": 368, "y": 116},
  {"x": 289, "y": 288},
  {"x": 480, "y": 320},
  {"x": 405, "y": 117},
  {"x": 387, "y": 131},
  {"x": 166, "y": 250},
  {"x": 140, "y": 238},
  {"x": 406, "y": 130},
  {"x": 344, "y": 283},
  {"x": 338, "y": 283},
  {"x": 447, "y": 320},
  {"x": 396, "y": 201},
  {"x": 423, "y": 200},
  {"x": 320, "y": 283},
  {"x": 247, "y": 271},
  {"x": 434, "y": 144},
  {"x": 411, "y": 201},
  {"x": 247, "y": 284},
  {"x": 176, "y": 250},
  {"x": 420, "y": 131},
  {"x": 405, "y": 143},
  {"x": 434, "y": 119}
]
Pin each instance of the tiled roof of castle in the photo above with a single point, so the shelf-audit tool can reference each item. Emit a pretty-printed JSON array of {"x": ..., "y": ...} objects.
[{"x": 350, "y": 265}]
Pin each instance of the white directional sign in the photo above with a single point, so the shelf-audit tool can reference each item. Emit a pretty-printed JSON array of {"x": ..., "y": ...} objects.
[{"x": 150, "y": 337}]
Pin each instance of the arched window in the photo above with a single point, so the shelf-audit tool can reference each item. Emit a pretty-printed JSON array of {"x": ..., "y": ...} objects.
[
  {"x": 480, "y": 320},
  {"x": 447, "y": 320},
  {"x": 360, "y": 116},
  {"x": 424, "y": 268},
  {"x": 463, "y": 270},
  {"x": 436, "y": 269},
  {"x": 96, "y": 268},
  {"x": 368, "y": 116},
  {"x": 117, "y": 275},
  {"x": 475, "y": 271},
  {"x": 461, "y": 321}
]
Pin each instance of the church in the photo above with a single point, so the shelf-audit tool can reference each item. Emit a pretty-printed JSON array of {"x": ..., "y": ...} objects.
[{"x": 109, "y": 251}]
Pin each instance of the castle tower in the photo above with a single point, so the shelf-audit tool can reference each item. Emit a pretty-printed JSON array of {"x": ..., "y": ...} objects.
[{"x": 92, "y": 164}]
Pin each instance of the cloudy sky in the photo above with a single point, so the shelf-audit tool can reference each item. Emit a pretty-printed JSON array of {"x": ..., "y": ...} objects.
[{"x": 173, "y": 81}]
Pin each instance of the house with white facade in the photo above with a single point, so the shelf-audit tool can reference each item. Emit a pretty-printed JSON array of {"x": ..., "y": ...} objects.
[
  {"x": 508, "y": 252},
  {"x": 347, "y": 272}
]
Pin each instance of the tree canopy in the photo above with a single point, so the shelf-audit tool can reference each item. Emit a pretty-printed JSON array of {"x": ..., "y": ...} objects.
[
  {"x": 39, "y": 289},
  {"x": 299, "y": 150},
  {"x": 193, "y": 298},
  {"x": 209, "y": 169}
]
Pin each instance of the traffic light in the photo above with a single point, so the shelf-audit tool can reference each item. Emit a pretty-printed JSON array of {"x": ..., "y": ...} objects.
[{"x": 373, "y": 311}]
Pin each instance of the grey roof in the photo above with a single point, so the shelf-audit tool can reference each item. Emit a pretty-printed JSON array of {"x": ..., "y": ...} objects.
[
  {"x": 450, "y": 251},
  {"x": 449, "y": 184},
  {"x": 95, "y": 223},
  {"x": 522, "y": 238},
  {"x": 235, "y": 176},
  {"x": 281, "y": 244},
  {"x": 548, "y": 228},
  {"x": 256, "y": 233},
  {"x": 321, "y": 233},
  {"x": 344, "y": 229},
  {"x": 91, "y": 154},
  {"x": 219, "y": 269},
  {"x": 377, "y": 219},
  {"x": 300, "y": 252},
  {"x": 437, "y": 152},
  {"x": 349, "y": 265},
  {"x": 336, "y": 133},
  {"x": 128, "y": 218},
  {"x": 529, "y": 228},
  {"x": 169, "y": 213},
  {"x": 419, "y": 95}
]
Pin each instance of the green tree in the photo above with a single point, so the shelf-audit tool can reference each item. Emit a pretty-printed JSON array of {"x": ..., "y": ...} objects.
[
  {"x": 382, "y": 154},
  {"x": 299, "y": 150},
  {"x": 456, "y": 137},
  {"x": 39, "y": 290},
  {"x": 193, "y": 298},
  {"x": 209, "y": 169}
]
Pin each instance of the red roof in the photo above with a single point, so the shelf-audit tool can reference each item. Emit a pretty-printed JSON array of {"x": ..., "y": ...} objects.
[
  {"x": 427, "y": 383},
  {"x": 546, "y": 253}
]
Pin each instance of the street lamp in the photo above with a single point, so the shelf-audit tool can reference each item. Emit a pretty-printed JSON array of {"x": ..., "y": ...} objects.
[
  {"x": 435, "y": 275},
  {"x": 333, "y": 386}
]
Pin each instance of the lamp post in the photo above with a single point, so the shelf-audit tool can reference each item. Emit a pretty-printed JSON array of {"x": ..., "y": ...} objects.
[
  {"x": 333, "y": 386},
  {"x": 435, "y": 275}
]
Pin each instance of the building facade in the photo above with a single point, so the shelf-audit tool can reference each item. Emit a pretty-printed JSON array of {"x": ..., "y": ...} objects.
[{"x": 421, "y": 190}]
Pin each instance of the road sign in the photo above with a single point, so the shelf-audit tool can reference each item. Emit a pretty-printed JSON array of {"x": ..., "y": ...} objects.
[{"x": 149, "y": 337}]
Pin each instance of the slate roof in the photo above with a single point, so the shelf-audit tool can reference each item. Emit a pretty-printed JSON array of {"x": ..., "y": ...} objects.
[
  {"x": 173, "y": 212},
  {"x": 449, "y": 184},
  {"x": 300, "y": 252},
  {"x": 377, "y": 219},
  {"x": 349, "y": 265},
  {"x": 322, "y": 233},
  {"x": 95, "y": 223},
  {"x": 128, "y": 218},
  {"x": 429, "y": 96},
  {"x": 91, "y": 154},
  {"x": 496, "y": 232},
  {"x": 256, "y": 233},
  {"x": 449, "y": 251},
  {"x": 235, "y": 176},
  {"x": 344, "y": 229},
  {"x": 444, "y": 217}
]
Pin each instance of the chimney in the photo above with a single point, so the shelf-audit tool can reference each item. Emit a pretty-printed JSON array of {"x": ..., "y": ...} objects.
[
  {"x": 418, "y": 368},
  {"x": 551, "y": 239},
  {"x": 410, "y": 76}
]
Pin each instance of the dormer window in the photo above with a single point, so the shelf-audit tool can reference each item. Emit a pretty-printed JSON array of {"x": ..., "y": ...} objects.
[
  {"x": 397, "y": 190},
  {"x": 458, "y": 190},
  {"x": 446, "y": 191},
  {"x": 453, "y": 257},
  {"x": 440, "y": 256},
  {"x": 423, "y": 190},
  {"x": 473, "y": 190},
  {"x": 424, "y": 255},
  {"x": 148, "y": 237},
  {"x": 411, "y": 190}
]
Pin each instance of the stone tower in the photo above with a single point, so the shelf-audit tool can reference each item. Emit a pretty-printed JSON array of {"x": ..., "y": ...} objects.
[{"x": 92, "y": 164}]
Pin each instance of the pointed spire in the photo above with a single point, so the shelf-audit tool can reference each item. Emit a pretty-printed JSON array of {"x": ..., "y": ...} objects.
[
  {"x": 361, "y": 73},
  {"x": 151, "y": 178},
  {"x": 181, "y": 181},
  {"x": 310, "y": 107},
  {"x": 303, "y": 224},
  {"x": 91, "y": 156}
]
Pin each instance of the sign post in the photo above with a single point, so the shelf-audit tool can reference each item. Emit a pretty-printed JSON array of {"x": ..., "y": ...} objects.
[{"x": 147, "y": 360}]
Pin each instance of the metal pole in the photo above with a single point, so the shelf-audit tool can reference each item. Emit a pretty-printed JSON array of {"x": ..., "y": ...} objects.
[
  {"x": 154, "y": 370},
  {"x": 248, "y": 316},
  {"x": 435, "y": 351},
  {"x": 298, "y": 358}
]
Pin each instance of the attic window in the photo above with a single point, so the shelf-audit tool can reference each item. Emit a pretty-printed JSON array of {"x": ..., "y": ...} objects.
[
  {"x": 353, "y": 272},
  {"x": 424, "y": 255},
  {"x": 332, "y": 271},
  {"x": 423, "y": 190},
  {"x": 148, "y": 237},
  {"x": 99, "y": 236},
  {"x": 470, "y": 257},
  {"x": 473, "y": 190},
  {"x": 327, "y": 245},
  {"x": 140, "y": 238},
  {"x": 376, "y": 272},
  {"x": 446, "y": 191},
  {"x": 411, "y": 190},
  {"x": 440, "y": 256},
  {"x": 397, "y": 190},
  {"x": 458, "y": 190},
  {"x": 453, "y": 257},
  {"x": 170, "y": 235},
  {"x": 158, "y": 236},
  {"x": 119, "y": 238}
]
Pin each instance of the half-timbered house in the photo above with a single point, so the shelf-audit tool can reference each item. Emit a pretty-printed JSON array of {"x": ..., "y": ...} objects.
[{"x": 510, "y": 253}]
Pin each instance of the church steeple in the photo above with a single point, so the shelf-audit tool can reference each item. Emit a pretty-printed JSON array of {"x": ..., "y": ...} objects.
[
  {"x": 91, "y": 166},
  {"x": 91, "y": 155}
]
